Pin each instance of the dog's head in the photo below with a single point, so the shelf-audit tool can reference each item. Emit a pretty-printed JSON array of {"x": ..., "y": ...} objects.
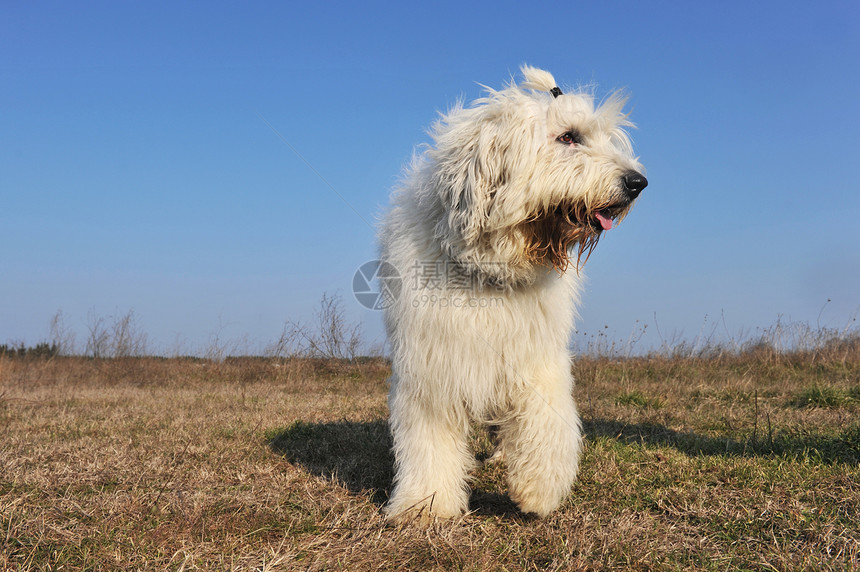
[{"x": 532, "y": 176}]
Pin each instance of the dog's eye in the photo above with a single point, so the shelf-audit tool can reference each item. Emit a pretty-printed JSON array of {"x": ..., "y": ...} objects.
[{"x": 570, "y": 138}]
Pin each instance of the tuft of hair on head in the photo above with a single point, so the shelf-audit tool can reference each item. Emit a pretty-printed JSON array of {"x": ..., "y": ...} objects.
[{"x": 537, "y": 79}]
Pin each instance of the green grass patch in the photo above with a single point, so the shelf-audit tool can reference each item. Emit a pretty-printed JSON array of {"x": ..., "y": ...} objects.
[
  {"x": 638, "y": 399},
  {"x": 822, "y": 396}
]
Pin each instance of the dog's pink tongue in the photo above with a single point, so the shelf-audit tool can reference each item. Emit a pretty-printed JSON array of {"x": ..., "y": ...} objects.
[{"x": 605, "y": 221}]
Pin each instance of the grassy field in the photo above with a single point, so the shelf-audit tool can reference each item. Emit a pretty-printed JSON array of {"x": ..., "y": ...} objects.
[{"x": 736, "y": 461}]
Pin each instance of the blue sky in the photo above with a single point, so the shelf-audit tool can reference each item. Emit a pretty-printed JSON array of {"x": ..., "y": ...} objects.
[{"x": 138, "y": 170}]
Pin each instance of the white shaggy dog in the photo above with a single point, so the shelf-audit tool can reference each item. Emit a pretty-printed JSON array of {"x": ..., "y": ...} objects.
[{"x": 488, "y": 231}]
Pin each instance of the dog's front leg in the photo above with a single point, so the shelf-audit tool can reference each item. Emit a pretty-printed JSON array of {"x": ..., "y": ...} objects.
[
  {"x": 432, "y": 456},
  {"x": 541, "y": 441}
]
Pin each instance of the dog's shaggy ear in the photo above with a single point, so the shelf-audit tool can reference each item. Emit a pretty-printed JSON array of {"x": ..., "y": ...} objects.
[
  {"x": 467, "y": 170},
  {"x": 478, "y": 151}
]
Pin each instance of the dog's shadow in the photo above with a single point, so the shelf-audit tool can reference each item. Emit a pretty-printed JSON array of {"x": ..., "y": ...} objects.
[
  {"x": 356, "y": 454},
  {"x": 843, "y": 448}
]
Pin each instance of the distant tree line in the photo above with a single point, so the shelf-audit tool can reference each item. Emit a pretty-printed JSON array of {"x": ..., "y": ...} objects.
[{"x": 43, "y": 350}]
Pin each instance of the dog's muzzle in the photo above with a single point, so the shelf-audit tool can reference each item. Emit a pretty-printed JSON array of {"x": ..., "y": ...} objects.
[{"x": 632, "y": 183}]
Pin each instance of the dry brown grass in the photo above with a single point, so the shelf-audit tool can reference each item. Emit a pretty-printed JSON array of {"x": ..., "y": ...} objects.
[{"x": 729, "y": 462}]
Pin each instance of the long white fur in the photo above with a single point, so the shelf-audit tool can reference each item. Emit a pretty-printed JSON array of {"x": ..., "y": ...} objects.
[{"x": 497, "y": 350}]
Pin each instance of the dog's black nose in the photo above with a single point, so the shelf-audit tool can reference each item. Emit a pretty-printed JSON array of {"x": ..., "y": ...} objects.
[{"x": 634, "y": 182}]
